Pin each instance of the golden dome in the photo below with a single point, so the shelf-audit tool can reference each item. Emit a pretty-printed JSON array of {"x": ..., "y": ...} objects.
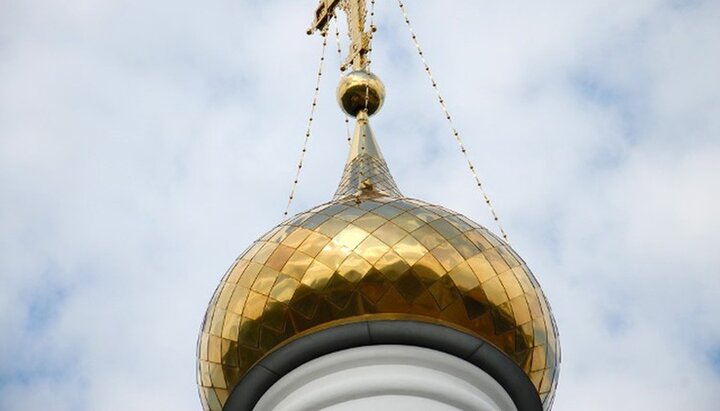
[{"x": 372, "y": 253}]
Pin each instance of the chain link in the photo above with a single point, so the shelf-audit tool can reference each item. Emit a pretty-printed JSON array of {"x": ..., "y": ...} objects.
[
  {"x": 293, "y": 190},
  {"x": 367, "y": 93},
  {"x": 339, "y": 50},
  {"x": 373, "y": 29},
  {"x": 456, "y": 134}
]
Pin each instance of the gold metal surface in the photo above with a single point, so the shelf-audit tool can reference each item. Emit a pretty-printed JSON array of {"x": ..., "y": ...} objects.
[
  {"x": 369, "y": 254},
  {"x": 360, "y": 90},
  {"x": 373, "y": 254},
  {"x": 310, "y": 278}
]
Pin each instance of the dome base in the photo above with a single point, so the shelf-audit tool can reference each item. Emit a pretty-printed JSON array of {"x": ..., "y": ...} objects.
[{"x": 495, "y": 377}]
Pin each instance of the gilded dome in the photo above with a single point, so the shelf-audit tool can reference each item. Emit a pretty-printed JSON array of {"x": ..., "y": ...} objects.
[{"x": 372, "y": 253}]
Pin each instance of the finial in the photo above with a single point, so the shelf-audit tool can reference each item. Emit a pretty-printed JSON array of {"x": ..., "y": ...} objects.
[{"x": 361, "y": 90}]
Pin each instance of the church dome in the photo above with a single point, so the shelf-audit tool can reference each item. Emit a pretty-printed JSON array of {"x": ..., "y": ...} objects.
[{"x": 370, "y": 255}]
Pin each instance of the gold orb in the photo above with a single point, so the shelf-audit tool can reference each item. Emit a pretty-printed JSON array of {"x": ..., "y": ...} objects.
[
  {"x": 348, "y": 261},
  {"x": 360, "y": 90}
]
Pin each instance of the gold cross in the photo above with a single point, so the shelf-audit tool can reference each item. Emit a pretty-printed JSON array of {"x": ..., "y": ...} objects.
[{"x": 360, "y": 38}]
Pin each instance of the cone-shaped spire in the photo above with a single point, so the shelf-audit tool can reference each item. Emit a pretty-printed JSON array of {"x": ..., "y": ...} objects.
[{"x": 366, "y": 173}]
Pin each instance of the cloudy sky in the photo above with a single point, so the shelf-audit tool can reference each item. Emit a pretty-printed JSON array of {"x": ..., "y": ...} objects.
[{"x": 145, "y": 143}]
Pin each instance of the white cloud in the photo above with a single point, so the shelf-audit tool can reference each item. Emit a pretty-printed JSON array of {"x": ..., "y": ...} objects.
[{"x": 143, "y": 145}]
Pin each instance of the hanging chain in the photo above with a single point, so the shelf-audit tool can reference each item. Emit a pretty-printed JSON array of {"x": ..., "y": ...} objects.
[
  {"x": 310, "y": 122},
  {"x": 339, "y": 50},
  {"x": 456, "y": 134},
  {"x": 367, "y": 93},
  {"x": 373, "y": 29},
  {"x": 364, "y": 135},
  {"x": 363, "y": 140}
]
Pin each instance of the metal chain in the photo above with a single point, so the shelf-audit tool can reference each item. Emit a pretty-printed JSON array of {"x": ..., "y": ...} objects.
[
  {"x": 310, "y": 122},
  {"x": 367, "y": 100},
  {"x": 339, "y": 50},
  {"x": 361, "y": 180},
  {"x": 364, "y": 136},
  {"x": 373, "y": 29},
  {"x": 456, "y": 134},
  {"x": 367, "y": 92}
]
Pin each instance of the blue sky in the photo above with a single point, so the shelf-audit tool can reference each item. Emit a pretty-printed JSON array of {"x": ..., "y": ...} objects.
[{"x": 145, "y": 144}]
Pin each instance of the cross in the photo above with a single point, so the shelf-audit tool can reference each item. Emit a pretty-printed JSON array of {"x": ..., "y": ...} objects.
[{"x": 360, "y": 37}]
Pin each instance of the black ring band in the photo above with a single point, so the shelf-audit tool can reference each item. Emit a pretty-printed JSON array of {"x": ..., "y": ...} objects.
[{"x": 498, "y": 365}]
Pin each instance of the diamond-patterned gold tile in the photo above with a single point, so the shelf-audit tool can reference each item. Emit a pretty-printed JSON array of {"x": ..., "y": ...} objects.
[
  {"x": 296, "y": 265},
  {"x": 351, "y": 236},
  {"x": 424, "y": 214},
  {"x": 248, "y": 337},
  {"x": 374, "y": 285},
  {"x": 408, "y": 222},
  {"x": 354, "y": 268},
  {"x": 248, "y": 277},
  {"x": 495, "y": 291},
  {"x": 345, "y": 260},
  {"x": 369, "y": 222},
  {"x": 265, "y": 280},
  {"x": 284, "y": 288},
  {"x": 445, "y": 292},
  {"x": 459, "y": 223},
  {"x": 214, "y": 350},
  {"x": 521, "y": 310},
  {"x": 255, "y": 306},
  {"x": 389, "y": 233},
  {"x": 229, "y": 352},
  {"x": 313, "y": 244},
  {"x": 481, "y": 267},
  {"x": 447, "y": 230},
  {"x": 463, "y": 246},
  {"x": 409, "y": 286},
  {"x": 372, "y": 249},
  {"x": 315, "y": 221},
  {"x": 296, "y": 238},
  {"x": 234, "y": 274},
  {"x": 428, "y": 269},
  {"x": 496, "y": 260},
  {"x": 333, "y": 255},
  {"x": 463, "y": 277},
  {"x": 511, "y": 284},
  {"x": 231, "y": 325},
  {"x": 279, "y": 257},
  {"x": 317, "y": 275},
  {"x": 332, "y": 226},
  {"x": 387, "y": 211},
  {"x": 279, "y": 235},
  {"x": 446, "y": 254},
  {"x": 225, "y": 294},
  {"x": 264, "y": 253},
  {"x": 213, "y": 402},
  {"x": 218, "y": 320},
  {"x": 392, "y": 266},
  {"x": 410, "y": 249}
]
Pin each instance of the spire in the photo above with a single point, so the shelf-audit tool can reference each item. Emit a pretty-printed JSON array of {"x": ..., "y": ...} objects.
[
  {"x": 360, "y": 94},
  {"x": 366, "y": 173}
]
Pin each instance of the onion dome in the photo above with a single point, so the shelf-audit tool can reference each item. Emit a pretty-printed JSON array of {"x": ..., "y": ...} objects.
[{"x": 373, "y": 267}]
